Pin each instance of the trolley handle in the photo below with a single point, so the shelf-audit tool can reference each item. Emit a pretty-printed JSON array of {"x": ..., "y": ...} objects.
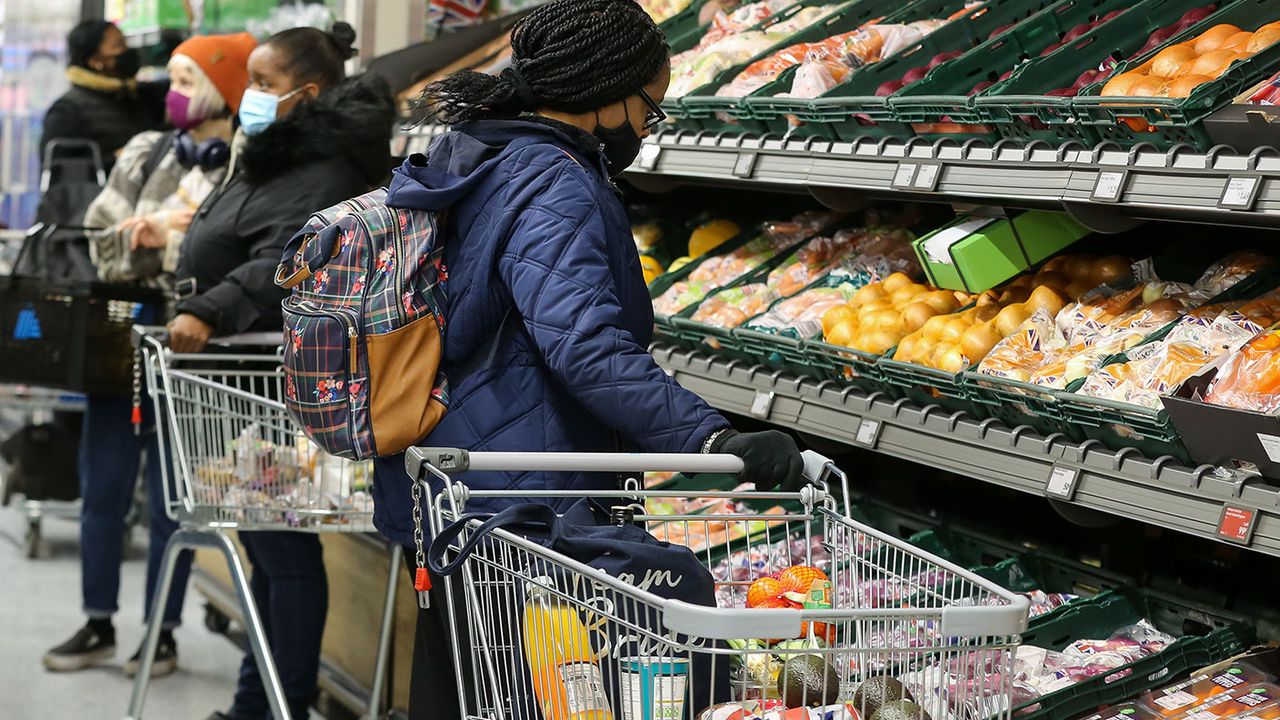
[
  {"x": 452, "y": 461},
  {"x": 159, "y": 335}
]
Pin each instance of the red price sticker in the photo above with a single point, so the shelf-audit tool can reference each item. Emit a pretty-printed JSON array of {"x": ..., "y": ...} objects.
[{"x": 1236, "y": 524}]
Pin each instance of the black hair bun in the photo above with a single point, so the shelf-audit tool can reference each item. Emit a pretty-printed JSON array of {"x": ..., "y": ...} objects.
[{"x": 344, "y": 38}]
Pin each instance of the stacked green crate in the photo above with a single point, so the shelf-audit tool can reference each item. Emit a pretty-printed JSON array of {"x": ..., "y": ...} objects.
[
  {"x": 1167, "y": 122},
  {"x": 943, "y": 104},
  {"x": 853, "y": 109},
  {"x": 1021, "y": 109},
  {"x": 696, "y": 119},
  {"x": 859, "y": 14}
]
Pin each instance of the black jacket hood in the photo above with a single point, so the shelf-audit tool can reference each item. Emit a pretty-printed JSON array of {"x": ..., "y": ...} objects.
[{"x": 353, "y": 120}]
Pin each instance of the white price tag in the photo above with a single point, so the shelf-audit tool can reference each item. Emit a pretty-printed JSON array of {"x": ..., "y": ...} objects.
[
  {"x": 1062, "y": 482},
  {"x": 905, "y": 175},
  {"x": 1271, "y": 446},
  {"x": 868, "y": 433},
  {"x": 1240, "y": 192},
  {"x": 1109, "y": 187},
  {"x": 745, "y": 166},
  {"x": 927, "y": 177},
  {"x": 762, "y": 404},
  {"x": 649, "y": 154}
]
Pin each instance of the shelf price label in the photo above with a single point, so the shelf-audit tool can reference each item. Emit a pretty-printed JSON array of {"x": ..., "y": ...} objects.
[
  {"x": 905, "y": 175},
  {"x": 762, "y": 404},
  {"x": 1063, "y": 481},
  {"x": 745, "y": 166},
  {"x": 1110, "y": 185},
  {"x": 927, "y": 176},
  {"x": 1236, "y": 524},
  {"x": 649, "y": 154},
  {"x": 868, "y": 434},
  {"x": 1240, "y": 192}
]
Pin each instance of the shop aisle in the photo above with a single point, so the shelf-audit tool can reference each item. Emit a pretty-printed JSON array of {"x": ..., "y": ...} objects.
[{"x": 40, "y": 606}]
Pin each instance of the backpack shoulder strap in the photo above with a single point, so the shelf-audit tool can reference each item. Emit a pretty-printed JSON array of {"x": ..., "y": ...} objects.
[{"x": 156, "y": 155}]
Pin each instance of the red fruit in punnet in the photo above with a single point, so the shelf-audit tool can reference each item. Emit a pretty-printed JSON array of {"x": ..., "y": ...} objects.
[
  {"x": 1076, "y": 32},
  {"x": 1049, "y": 50},
  {"x": 944, "y": 57},
  {"x": 1195, "y": 15},
  {"x": 1006, "y": 75},
  {"x": 980, "y": 87},
  {"x": 1111, "y": 16},
  {"x": 915, "y": 75},
  {"x": 1000, "y": 30},
  {"x": 889, "y": 88}
]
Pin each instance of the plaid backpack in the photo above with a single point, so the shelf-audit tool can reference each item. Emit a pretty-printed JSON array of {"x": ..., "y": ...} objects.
[{"x": 364, "y": 327}]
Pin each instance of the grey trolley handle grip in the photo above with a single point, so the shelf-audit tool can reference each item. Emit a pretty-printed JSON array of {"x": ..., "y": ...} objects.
[{"x": 452, "y": 461}]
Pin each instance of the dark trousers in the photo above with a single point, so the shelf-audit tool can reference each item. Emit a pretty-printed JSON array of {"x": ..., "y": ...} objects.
[
  {"x": 433, "y": 690},
  {"x": 291, "y": 592},
  {"x": 110, "y": 455}
]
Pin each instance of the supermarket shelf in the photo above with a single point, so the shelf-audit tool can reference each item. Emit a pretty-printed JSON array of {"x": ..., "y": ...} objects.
[
  {"x": 1123, "y": 483},
  {"x": 1179, "y": 184}
]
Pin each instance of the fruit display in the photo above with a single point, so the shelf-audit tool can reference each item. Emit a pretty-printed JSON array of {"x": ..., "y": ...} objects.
[
  {"x": 1069, "y": 36},
  {"x": 1177, "y": 70},
  {"x": 1199, "y": 338},
  {"x": 662, "y": 10},
  {"x": 827, "y": 63},
  {"x": 880, "y": 314},
  {"x": 1038, "y": 671},
  {"x": 1154, "y": 40},
  {"x": 861, "y": 255},
  {"x": 1250, "y": 377},
  {"x": 1055, "y": 349},
  {"x": 730, "y": 42},
  {"x": 718, "y": 270},
  {"x": 1268, "y": 93}
]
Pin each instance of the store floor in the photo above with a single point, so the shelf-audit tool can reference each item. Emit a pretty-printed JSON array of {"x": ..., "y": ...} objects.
[{"x": 40, "y": 607}]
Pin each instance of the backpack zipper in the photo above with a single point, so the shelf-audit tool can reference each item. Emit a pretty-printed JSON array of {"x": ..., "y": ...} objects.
[
  {"x": 352, "y": 335},
  {"x": 400, "y": 260}
]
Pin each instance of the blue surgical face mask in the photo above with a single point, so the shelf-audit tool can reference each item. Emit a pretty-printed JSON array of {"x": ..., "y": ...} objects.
[{"x": 258, "y": 109}]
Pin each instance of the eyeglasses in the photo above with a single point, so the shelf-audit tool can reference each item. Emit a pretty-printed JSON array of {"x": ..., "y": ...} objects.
[{"x": 655, "y": 115}]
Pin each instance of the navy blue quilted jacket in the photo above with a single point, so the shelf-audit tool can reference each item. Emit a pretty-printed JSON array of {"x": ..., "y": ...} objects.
[{"x": 537, "y": 243}]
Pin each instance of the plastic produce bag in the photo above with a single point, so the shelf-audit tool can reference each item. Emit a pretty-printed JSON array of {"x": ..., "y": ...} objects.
[
  {"x": 1250, "y": 378},
  {"x": 829, "y": 63}
]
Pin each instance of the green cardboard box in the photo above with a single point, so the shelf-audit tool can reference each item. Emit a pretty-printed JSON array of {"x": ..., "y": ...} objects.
[{"x": 978, "y": 253}]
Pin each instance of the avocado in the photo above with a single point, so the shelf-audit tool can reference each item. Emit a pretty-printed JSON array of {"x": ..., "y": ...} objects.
[
  {"x": 876, "y": 691},
  {"x": 808, "y": 681},
  {"x": 900, "y": 710}
]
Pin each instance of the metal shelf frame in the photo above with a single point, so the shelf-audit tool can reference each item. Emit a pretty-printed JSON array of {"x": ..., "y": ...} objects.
[
  {"x": 1178, "y": 184},
  {"x": 1124, "y": 483}
]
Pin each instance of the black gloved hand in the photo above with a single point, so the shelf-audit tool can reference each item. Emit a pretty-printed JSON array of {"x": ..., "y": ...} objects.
[{"x": 770, "y": 459}]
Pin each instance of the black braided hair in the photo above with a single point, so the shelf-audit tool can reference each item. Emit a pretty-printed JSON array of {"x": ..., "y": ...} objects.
[
  {"x": 569, "y": 55},
  {"x": 314, "y": 55}
]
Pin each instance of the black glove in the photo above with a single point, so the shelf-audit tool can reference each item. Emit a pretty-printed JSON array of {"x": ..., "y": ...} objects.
[{"x": 770, "y": 459}]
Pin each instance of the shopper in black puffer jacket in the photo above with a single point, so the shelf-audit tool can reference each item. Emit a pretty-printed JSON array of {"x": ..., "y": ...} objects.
[
  {"x": 309, "y": 139},
  {"x": 105, "y": 104}
]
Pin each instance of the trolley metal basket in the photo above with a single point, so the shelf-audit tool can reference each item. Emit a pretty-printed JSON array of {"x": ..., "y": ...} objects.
[
  {"x": 941, "y": 632},
  {"x": 240, "y": 462}
]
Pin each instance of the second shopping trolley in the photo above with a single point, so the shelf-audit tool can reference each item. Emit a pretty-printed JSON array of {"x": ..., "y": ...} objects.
[{"x": 816, "y": 616}]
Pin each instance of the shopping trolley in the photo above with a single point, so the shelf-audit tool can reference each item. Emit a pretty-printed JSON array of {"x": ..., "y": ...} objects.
[
  {"x": 890, "y": 610},
  {"x": 240, "y": 462}
]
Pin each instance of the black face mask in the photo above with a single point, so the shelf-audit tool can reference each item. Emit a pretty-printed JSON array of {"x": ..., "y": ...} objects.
[
  {"x": 126, "y": 64},
  {"x": 621, "y": 145}
]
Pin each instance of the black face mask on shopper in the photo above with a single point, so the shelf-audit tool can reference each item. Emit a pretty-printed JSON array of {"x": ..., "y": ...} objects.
[{"x": 621, "y": 145}]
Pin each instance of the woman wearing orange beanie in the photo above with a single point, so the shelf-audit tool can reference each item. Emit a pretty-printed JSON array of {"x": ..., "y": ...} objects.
[{"x": 154, "y": 189}]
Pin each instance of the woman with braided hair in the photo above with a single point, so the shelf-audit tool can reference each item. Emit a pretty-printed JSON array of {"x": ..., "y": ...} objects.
[{"x": 548, "y": 316}]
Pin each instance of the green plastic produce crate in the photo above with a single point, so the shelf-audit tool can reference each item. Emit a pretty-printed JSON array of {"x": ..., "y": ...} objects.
[
  {"x": 847, "y": 366},
  {"x": 1225, "y": 635},
  {"x": 1017, "y": 403},
  {"x": 945, "y": 97},
  {"x": 853, "y": 109},
  {"x": 1166, "y": 122},
  {"x": 741, "y": 109},
  {"x": 701, "y": 119},
  {"x": 1021, "y": 109},
  {"x": 929, "y": 386}
]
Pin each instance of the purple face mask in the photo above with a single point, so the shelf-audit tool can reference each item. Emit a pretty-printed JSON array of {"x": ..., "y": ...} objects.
[{"x": 179, "y": 107}]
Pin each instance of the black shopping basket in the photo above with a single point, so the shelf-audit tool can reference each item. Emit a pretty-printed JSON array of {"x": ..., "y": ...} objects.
[{"x": 69, "y": 333}]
